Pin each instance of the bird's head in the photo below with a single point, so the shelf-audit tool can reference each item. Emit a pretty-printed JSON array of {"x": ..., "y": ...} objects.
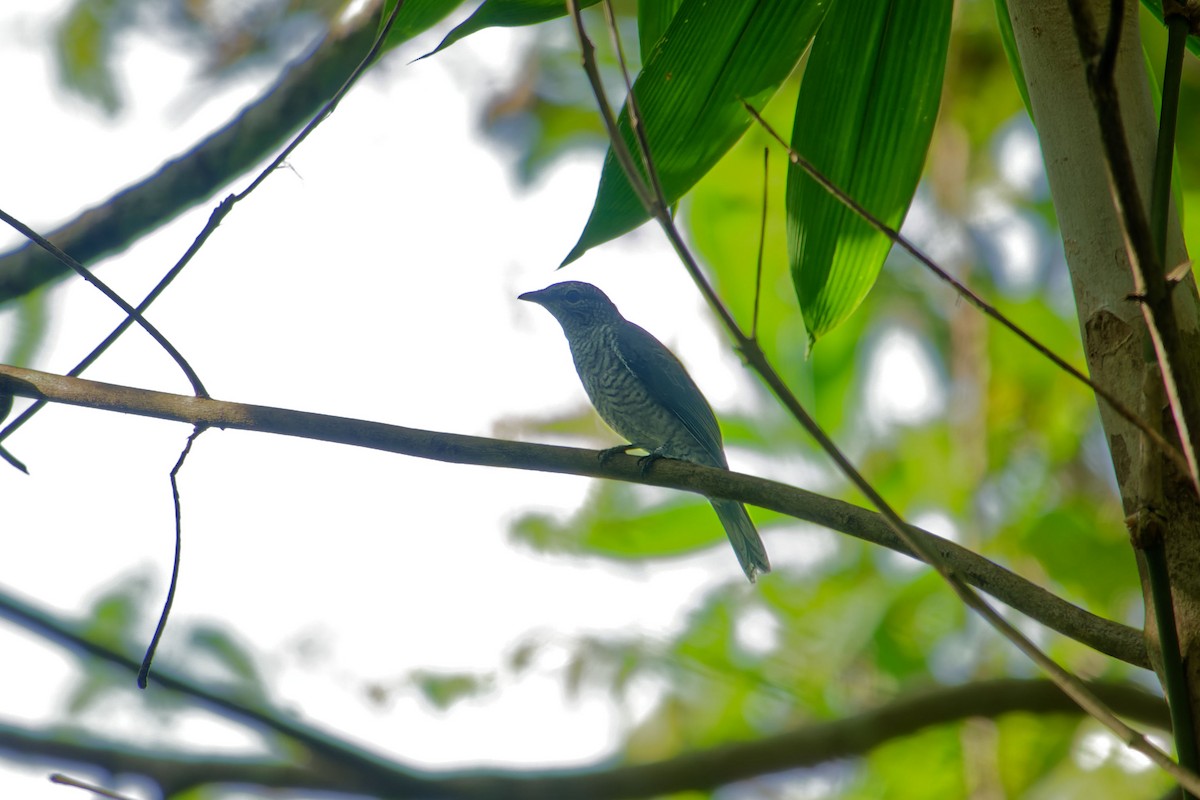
[{"x": 574, "y": 304}]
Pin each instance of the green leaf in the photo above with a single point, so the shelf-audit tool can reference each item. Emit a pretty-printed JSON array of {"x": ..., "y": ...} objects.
[
  {"x": 616, "y": 522},
  {"x": 508, "y": 14},
  {"x": 864, "y": 118},
  {"x": 690, "y": 93},
  {"x": 85, "y": 49},
  {"x": 1009, "y": 40},
  {"x": 415, "y": 17},
  {"x": 230, "y": 654},
  {"x": 654, "y": 17},
  {"x": 444, "y": 689},
  {"x": 32, "y": 326}
]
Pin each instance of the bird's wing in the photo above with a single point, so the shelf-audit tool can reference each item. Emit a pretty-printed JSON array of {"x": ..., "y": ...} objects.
[{"x": 665, "y": 378}]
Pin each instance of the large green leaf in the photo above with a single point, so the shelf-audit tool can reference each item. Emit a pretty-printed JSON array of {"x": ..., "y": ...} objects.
[
  {"x": 864, "y": 118},
  {"x": 690, "y": 93},
  {"x": 508, "y": 14}
]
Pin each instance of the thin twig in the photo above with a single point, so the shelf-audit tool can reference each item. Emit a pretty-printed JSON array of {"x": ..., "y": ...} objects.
[
  {"x": 87, "y": 275},
  {"x": 1070, "y": 685},
  {"x": 67, "y": 780},
  {"x": 143, "y": 675},
  {"x": 655, "y": 193},
  {"x": 1150, "y": 286},
  {"x": 214, "y": 220}
]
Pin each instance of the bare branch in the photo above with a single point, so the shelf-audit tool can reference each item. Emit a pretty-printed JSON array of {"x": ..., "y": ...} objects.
[
  {"x": 1108, "y": 637},
  {"x": 118, "y": 221}
]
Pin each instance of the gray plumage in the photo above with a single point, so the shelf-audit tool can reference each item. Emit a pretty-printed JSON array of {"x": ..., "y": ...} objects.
[{"x": 642, "y": 391}]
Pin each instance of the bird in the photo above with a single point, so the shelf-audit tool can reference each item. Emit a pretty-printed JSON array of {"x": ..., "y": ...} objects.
[{"x": 644, "y": 393}]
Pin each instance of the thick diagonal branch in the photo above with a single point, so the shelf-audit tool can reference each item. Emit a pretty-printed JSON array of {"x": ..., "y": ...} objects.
[{"x": 198, "y": 174}]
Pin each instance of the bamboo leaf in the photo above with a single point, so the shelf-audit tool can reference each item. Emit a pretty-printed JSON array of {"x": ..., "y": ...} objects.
[
  {"x": 712, "y": 55},
  {"x": 415, "y": 17},
  {"x": 507, "y": 14},
  {"x": 864, "y": 118},
  {"x": 654, "y": 17}
]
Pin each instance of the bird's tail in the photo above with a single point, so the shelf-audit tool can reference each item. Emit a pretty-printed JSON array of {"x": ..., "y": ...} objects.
[{"x": 751, "y": 553}]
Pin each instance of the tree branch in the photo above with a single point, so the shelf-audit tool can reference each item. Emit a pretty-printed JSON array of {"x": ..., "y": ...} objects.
[
  {"x": 197, "y": 175},
  {"x": 1110, "y": 638},
  {"x": 697, "y": 771}
]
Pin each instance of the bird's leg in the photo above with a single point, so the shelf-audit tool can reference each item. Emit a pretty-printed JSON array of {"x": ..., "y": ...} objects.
[{"x": 607, "y": 453}]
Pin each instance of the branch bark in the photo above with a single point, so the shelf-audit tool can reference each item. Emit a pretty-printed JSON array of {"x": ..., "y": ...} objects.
[
  {"x": 1106, "y": 636},
  {"x": 197, "y": 175}
]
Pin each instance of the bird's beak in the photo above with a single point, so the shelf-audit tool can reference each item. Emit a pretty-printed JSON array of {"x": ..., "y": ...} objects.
[{"x": 533, "y": 297}]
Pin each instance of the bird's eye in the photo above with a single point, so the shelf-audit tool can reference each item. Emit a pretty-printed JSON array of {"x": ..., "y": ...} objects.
[{"x": 573, "y": 296}]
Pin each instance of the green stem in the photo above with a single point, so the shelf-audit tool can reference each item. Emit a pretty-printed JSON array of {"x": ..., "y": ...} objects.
[
  {"x": 1160, "y": 200},
  {"x": 1178, "y": 694}
]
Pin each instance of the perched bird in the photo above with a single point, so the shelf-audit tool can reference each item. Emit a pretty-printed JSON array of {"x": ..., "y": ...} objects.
[{"x": 642, "y": 391}]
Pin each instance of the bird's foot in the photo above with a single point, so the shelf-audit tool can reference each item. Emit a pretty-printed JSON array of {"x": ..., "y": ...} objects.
[{"x": 645, "y": 461}]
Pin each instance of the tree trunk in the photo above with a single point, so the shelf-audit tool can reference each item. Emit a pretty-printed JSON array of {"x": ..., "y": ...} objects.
[{"x": 1115, "y": 337}]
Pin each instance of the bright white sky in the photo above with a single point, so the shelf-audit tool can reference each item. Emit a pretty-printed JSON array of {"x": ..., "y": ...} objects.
[{"x": 377, "y": 279}]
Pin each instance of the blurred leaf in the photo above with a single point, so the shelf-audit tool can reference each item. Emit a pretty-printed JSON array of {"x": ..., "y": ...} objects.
[
  {"x": 444, "y": 689},
  {"x": 920, "y": 615},
  {"x": 84, "y": 49},
  {"x": 114, "y": 622},
  {"x": 1094, "y": 765},
  {"x": 229, "y": 654},
  {"x": 31, "y": 328},
  {"x": 116, "y": 614},
  {"x": 508, "y": 14},
  {"x": 606, "y": 662},
  {"x": 1030, "y": 747},
  {"x": 938, "y": 751},
  {"x": 864, "y": 118},
  {"x": 561, "y": 127},
  {"x": 690, "y": 94},
  {"x": 616, "y": 523}
]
